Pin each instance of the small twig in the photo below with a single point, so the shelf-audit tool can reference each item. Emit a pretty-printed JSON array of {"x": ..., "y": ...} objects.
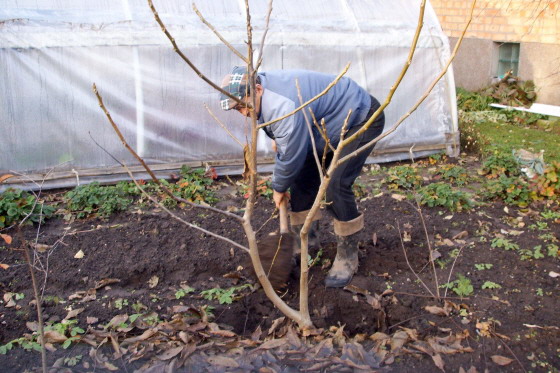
[
  {"x": 428, "y": 296},
  {"x": 431, "y": 251},
  {"x": 279, "y": 246},
  {"x": 509, "y": 349},
  {"x": 223, "y": 126},
  {"x": 37, "y": 299},
  {"x": 405, "y": 321},
  {"x": 409, "y": 266},
  {"x": 416, "y": 105},
  {"x": 451, "y": 270},
  {"x": 267, "y": 221}
]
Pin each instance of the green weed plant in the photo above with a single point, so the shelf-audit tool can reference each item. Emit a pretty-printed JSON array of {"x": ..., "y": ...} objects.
[
  {"x": 454, "y": 174},
  {"x": 512, "y": 190},
  {"x": 462, "y": 286},
  {"x": 67, "y": 328},
  {"x": 195, "y": 185},
  {"x": 403, "y": 177},
  {"x": 224, "y": 296},
  {"x": 499, "y": 164},
  {"x": 16, "y": 204},
  {"x": 504, "y": 243},
  {"x": 442, "y": 194},
  {"x": 95, "y": 200}
]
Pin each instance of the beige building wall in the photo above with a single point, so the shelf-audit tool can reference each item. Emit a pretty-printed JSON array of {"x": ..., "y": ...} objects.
[{"x": 534, "y": 24}]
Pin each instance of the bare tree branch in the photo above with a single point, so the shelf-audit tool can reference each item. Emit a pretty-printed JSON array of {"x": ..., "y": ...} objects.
[
  {"x": 261, "y": 48},
  {"x": 410, "y": 267},
  {"x": 397, "y": 82},
  {"x": 174, "y": 216},
  {"x": 185, "y": 58},
  {"x": 315, "y": 155},
  {"x": 421, "y": 99},
  {"x": 235, "y": 51},
  {"x": 223, "y": 126},
  {"x": 153, "y": 176},
  {"x": 332, "y": 84}
]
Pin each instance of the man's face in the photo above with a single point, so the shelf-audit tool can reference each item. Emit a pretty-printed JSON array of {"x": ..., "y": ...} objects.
[{"x": 243, "y": 106}]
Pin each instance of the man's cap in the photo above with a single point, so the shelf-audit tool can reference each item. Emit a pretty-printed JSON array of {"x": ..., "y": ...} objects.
[{"x": 236, "y": 83}]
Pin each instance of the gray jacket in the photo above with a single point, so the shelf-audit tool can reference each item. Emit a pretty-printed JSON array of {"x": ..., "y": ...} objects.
[{"x": 280, "y": 97}]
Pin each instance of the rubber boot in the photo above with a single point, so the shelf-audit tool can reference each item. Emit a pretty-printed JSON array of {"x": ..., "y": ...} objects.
[{"x": 345, "y": 264}]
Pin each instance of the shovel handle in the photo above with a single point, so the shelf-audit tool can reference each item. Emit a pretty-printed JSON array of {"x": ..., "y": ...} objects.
[{"x": 284, "y": 216}]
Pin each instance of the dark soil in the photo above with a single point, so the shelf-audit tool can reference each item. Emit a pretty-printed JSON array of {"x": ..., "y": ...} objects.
[{"x": 143, "y": 245}]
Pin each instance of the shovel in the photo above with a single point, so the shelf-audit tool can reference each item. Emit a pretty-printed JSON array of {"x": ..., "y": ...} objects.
[{"x": 276, "y": 251}]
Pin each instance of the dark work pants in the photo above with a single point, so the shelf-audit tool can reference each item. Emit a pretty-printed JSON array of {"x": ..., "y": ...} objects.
[{"x": 341, "y": 202}]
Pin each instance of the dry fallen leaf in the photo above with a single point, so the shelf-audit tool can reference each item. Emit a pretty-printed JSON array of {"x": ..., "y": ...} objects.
[
  {"x": 5, "y": 177},
  {"x": 153, "y": 281},
  {"x": 171, "y": 353},
  {"x": 273, "y": 343},
  {"x": 104, "y": 282},
  {"x": 461, "y": 235},
  {"x": 438, "y": 361},
  {"x": 407, "y": 237},
  {"x": 501, "y": 360},
  {"x": 223, "y": 361},
  {"x": 52, "y": 336},
  {"x": 74, "y": 313},
  {"x": 6, "y": 238},
  {"x": 553, "y": 274},
  {"x": 4, "y": 266},
  {"x": 437, "y": 310},
  {"x": 79, "y": 255},
  {"x": 398, "y": 197},
  {"x": 484, "y": 328}
]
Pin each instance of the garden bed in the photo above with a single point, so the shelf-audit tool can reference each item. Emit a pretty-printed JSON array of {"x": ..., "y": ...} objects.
[{"x": 153, "y": 293}]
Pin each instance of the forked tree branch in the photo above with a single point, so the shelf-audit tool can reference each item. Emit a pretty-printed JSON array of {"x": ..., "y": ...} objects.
[{"x": 301, "y": 317}]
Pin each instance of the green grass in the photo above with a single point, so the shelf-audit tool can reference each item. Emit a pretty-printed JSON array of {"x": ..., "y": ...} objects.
[{"x": 506, "y": 137}]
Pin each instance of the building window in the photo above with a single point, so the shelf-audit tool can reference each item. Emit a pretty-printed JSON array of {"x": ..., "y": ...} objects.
[{"x": 508, "y": 59}]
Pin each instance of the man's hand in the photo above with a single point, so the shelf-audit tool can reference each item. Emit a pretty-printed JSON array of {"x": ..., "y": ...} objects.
[
  {"x": 279, "y": 196},
  {"x": 274, "y": 147}
]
